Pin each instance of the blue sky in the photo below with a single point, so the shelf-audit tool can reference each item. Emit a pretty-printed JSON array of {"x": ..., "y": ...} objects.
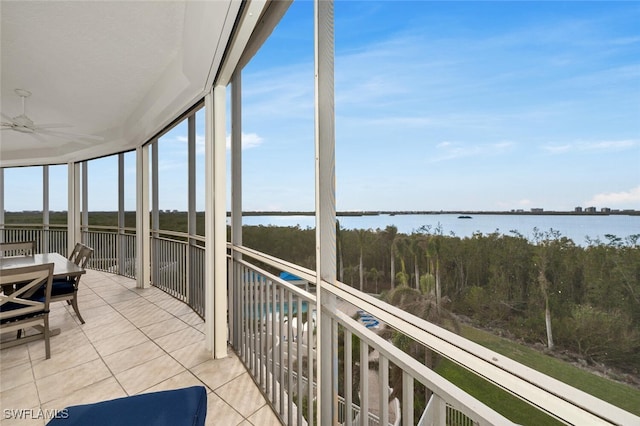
[{"x": 440, "y": 106}]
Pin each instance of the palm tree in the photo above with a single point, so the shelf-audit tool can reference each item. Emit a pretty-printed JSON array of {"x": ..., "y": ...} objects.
[
  {"x": 422, "y": 305},
  {"x": 361, "y": 234},
  {"x": 392, "y": 236},
  {"x": 375, "y": 275},
  {"x": 339, "y": 252}
]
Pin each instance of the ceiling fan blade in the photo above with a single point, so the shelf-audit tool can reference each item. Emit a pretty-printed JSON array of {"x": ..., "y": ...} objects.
[
  {"x": 51, "y": 126},
  {"x": 69, "y": 135},
  {"x": 38, "y": 137}
]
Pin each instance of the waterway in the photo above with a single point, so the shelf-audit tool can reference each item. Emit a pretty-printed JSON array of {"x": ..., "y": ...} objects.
[{"x": 577, "y": 227}]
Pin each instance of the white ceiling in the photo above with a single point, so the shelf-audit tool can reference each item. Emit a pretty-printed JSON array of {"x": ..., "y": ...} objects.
[{"x": 120, "y": 70}]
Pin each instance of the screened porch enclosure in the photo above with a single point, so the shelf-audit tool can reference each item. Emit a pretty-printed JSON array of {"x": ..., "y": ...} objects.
[{"x": 301, "y": 346}]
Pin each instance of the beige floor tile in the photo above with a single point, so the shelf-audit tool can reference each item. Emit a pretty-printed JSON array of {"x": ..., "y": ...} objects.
[
  {"x": 63, "y": 383},
  {"x": 88, "y": 301},
  {"x": 132, "y": 356},
  {"x": 242, "y": 394},
  {"x": 182, "y": 380},
  {"x": 264, "y": 417},
  {"x": 115, "y": 329},
  {"x": 200, "y": 327},
  {"x": 23, "y": 396},
  {"x": 119, "y": 297},
  {"x": 142, "y": 377},
  {"x": 163, "y": 328},
  {"x": 192, "y": 355},
  {"x": 221, "y": 413},
  {"x": 16, "y": 355},
  {"x": 103, "y": 390},
  {"x": 64, "y": 360},
  {"x": 180, "y": 339},
  {"x": 217, "y": 372},
  {"x": 191, "y": 318},
  {"x": 62, "y": 342},
  {"x": 175, "y": 307},
  {"x": 154, "y": 316},
  {"x": 118, "y": 342},
  {"x": 100, "y": 317},
  {"x": 16, "y": 376},
  {"x": 131, "y": 304}
]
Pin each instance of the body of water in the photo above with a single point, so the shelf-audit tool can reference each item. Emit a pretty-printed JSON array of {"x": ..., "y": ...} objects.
[{"x": 576, "y": 227}]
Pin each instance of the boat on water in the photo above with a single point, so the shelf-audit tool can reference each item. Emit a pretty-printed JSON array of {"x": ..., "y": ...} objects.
[{"x": 464, "y": 217}]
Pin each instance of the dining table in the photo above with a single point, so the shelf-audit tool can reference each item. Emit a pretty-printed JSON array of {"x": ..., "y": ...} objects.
[{"x": 62, "y": 267}]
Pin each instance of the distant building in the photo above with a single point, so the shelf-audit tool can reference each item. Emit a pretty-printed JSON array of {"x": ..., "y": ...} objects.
[
  {"x": 537, "y": 210},
  {"x": 605, "y": 210},
  {"x": 590, "y": 209},
  {"x": 578, "y": 209}
]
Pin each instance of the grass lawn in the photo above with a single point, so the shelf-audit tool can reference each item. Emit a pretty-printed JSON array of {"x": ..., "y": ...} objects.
[{"x": 621, "y": 395}]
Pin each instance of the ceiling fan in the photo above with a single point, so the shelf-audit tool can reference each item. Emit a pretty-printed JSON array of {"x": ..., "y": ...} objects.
[{"x": 23, "y": 124}]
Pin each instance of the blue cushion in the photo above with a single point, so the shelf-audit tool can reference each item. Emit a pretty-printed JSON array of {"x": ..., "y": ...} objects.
[
  {"x": 10, "y": 306},
  {"x": 187, "y": 406},
  {"x": 58, "y": 287}
]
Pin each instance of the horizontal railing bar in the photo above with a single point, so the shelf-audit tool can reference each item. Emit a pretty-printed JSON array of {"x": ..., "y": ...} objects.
[
  {"x": 445, "y": 389},
  {"x": 304, "y": 273},
  {"x": 550, "y": 395},
  {"x": 290, "y": 287}
]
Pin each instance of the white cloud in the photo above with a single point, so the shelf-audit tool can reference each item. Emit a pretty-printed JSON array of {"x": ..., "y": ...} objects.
[
  {"x": 618, "y": 145},
  {"x": 249, "y": 140},
  {"x": 452, "y": 150},
  {"x": 611, "y": 199}
]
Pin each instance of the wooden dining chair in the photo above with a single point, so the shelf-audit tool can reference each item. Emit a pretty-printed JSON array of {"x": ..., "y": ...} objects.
[
  {"x": 75, "y": 252},
  {"x": 22, "y": 248},
  {"x": 66, "y": 289},
  {"x": 20, "y": 309}
]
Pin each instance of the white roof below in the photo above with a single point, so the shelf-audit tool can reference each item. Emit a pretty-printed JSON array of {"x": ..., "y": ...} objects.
[{"x": 119, "y": 70}]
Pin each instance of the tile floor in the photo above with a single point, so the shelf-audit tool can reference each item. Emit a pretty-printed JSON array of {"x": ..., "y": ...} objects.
[{"x": 134, "y": 341}]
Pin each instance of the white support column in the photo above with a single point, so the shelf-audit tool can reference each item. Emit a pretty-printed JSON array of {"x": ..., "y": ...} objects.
[
  {"x": 215, "y": 223},
  {"x": 191, "y": 200},
  {"x": 236, "y": 191},
  {"x": 120, "y": 233},
  {"x": 155, "y": 208},
  {"x": 45, "y": 210},
  {"x": 327, "y": 378},
  {"x": 73, "y": 205},
  {"x": 142, "y": 217},
  {"x": 1, "y": 204},
  {"x": 84, "y": 186},
  {"x": 325, "y": 208}
]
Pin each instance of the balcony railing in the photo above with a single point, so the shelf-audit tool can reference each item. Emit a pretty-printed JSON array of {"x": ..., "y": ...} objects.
[
  {"x": 273, "y": 328},
  {"x": 273, "y": 340},
  {"x": 114, "y": 250},
  {"x": 177, "y": 265},
  {"x": 48, "y": 238}
]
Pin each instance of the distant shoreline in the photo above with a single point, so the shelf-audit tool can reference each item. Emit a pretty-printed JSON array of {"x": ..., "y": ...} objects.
[
  {"x": 391, "y": 213},
  {"x": 458, "y": 212}
]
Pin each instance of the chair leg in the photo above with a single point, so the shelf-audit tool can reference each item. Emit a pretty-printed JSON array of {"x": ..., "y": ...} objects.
[
  {"x": 47, "y": 348},
  {"x": 74, "y": 303}
]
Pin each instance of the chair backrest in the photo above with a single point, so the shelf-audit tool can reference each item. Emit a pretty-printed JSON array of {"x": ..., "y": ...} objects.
[
  {"x": 83, "y": 256},
  {"x": 31, "y": 278},
  {"x": 75, "y": 252},
  {"x": 23, "y": 248}
]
